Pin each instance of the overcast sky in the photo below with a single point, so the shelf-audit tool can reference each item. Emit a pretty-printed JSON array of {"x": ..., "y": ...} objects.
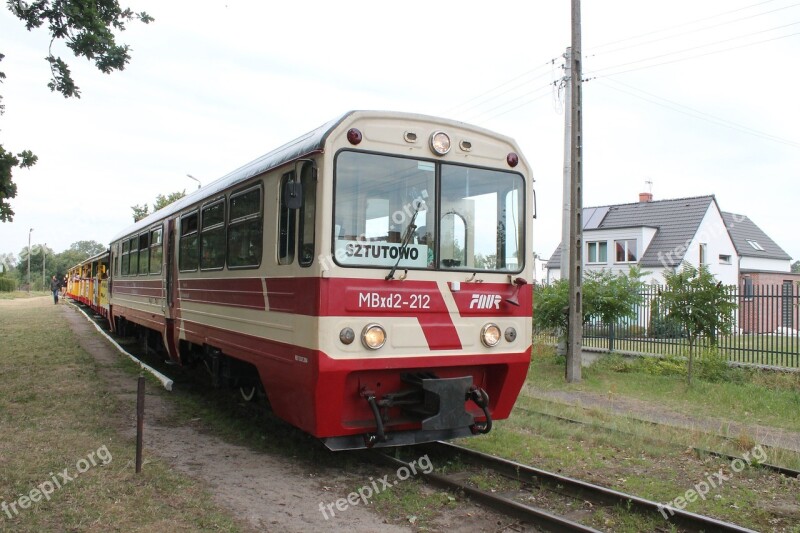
[{"x": 697, "y": 97}]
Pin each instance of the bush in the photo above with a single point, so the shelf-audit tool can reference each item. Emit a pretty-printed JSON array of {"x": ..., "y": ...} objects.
[
  {"x": 7, "y": 284},
  {"x": 712, "y": 366}
]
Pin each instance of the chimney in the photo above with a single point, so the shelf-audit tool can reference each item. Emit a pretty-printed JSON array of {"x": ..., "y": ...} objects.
[{"x": 645, "y": 197}]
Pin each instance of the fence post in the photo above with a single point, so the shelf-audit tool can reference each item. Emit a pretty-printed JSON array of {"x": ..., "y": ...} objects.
[{"x": 611, "y": 337}]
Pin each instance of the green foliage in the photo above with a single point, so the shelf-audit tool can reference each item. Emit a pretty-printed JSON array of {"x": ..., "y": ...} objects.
[
  {"x": 713, "y": 366},
  {"x": 606, "y": 296},
  {"x": 699, "y": 303},
  {"x": 796, "y": 267},
  {"x": 88, "y": 29},
  {"x": 609, "y": 296},
  {"x": 7, "y": 284},
  {"x": 141, "y": 211},
  {"x": 8, "y": 189}
]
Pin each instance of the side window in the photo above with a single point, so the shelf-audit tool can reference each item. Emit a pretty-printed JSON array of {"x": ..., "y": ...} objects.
[
  {"x": 286, "y": 227},
  {"x": 212, "y": 236},
  {"x": 308, "y": 215},
  {"x": 126, "y": 258},
  {"x": 134, "y": 244},
  {"x": 156, "y": 250},
  {"x": 144, "y": 253},
  {"x": 245, "y": 233},
  {"x": 188, "y": 245}
]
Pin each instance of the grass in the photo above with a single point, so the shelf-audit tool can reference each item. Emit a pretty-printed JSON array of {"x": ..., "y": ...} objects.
[
  {"x": 53, "y": 416},
  {"x": 15, "y": 295},
  {"x": 751, "y": 396},
  {"x": 655, "y": 462}
]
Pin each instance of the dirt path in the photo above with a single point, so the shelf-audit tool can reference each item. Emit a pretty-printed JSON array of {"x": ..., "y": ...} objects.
[
  {"x": 642, "y": 410},
  {"x": 265, "y": 492}
]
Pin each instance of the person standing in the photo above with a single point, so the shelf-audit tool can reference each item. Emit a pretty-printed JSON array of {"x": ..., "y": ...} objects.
[{"x": 55, "y": 286}]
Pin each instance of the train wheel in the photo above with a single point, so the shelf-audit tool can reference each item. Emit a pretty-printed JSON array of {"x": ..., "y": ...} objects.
[{"x": 248, "y": 392}]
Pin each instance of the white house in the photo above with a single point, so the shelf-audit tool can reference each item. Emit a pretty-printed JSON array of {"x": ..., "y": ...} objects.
[{"x": 659, "y": 235}]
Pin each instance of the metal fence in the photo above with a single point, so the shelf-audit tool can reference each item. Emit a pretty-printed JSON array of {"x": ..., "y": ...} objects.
[{"x": 766, "y": 323}]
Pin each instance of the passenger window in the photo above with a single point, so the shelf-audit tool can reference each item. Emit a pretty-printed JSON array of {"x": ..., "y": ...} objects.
[
  {"x": 308, "y": 215},
  {"x": 187, "y": 261},
  {"x": 286, "y": 227},
  {"x": 212, "y": 237},
  {"x": 134, "y": 244},
  {"x": 245, "y": 234},
  {"x": 126, "y": 258},
  {"x": 144, "y": 253},
  {"x": 156, "y": 250}
]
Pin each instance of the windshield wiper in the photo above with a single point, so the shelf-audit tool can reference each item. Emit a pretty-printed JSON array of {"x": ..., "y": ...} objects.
[{"x": 406, "y": 240}]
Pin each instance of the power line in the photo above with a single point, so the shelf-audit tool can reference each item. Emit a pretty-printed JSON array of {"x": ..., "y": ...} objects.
[
  {"x": 694, "y": 113},
  {"x": 703, "y": 28},
  {"x": 681, "y": 25},
  {"x": 592, "y": 72},
  {"x": 549, "y": 62}
]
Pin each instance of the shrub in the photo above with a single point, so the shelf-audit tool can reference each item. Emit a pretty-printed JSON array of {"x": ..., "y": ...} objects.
[
  {"x": 713, "y": 366},
  {"x": 7, "y": 284}
]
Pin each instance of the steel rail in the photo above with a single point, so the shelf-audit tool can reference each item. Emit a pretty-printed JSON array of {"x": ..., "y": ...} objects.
[
  {"x": 588, "y": 491},
  {"x": 527, "y": 513}
]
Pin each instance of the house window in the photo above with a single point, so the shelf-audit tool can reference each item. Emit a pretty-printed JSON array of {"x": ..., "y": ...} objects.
[
  {"x": 748, "y": 288},
  {"x": 703, "y": 254},
  {"x": 755, "y": 245},
  {"x": 597, "y": 252},
  {"x": 626, "y": 250},
  {"x": 724, "y": 259}
]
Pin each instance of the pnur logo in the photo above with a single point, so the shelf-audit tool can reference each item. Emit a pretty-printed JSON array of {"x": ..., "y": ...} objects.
[{"x": 485, "y": 301}]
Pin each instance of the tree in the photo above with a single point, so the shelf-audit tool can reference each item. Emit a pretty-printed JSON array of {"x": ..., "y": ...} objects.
[
  {"x": 606, "y": 296},
  {"x": 88, "y": 30},
  {"x": 141, "y": 211},
  {"x": 700, "y": 303},
  {"x": 796, "y": 267},
  {"x": 7, "y": 262}
]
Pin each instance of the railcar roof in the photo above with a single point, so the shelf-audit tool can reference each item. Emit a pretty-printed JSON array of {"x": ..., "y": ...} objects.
[
  {"x": 305, "y": 145},
  {"x": 311, "y": 142}
]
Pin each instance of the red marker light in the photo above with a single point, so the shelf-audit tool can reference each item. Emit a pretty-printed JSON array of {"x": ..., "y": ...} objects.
[
  {"x": 354, "y": 136},
  {"x": 512, "y": 159}
]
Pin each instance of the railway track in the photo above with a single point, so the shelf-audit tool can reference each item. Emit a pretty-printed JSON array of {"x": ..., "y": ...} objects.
[
  {"x": 564, "y": 486},
  {"x": 767, "y": 466}
]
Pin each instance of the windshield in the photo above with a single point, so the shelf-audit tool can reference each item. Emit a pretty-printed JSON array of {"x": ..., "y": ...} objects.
[{"x": 377, "y": 197}]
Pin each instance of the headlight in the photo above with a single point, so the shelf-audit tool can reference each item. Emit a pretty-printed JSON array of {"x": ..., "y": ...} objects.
[
  {"x": 490, "y": 335},
  {"x": 373, "y": 336},
  {"x": 440, "y": 142}
]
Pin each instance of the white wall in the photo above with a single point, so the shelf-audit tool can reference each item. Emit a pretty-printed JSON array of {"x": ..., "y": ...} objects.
[
  {"x": 771, "y": 265},
  {"x": 714, "y": 234}
]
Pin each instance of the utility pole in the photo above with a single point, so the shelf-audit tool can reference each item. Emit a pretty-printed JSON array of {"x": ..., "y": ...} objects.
[
  {"x": 565, "y": 204},
  {"x": 575, "y": 317},
  {"x": 29, "y": 259},
  {"x": 565, "y": 208}
]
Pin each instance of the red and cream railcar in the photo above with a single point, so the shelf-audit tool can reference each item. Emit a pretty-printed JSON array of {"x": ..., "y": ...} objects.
[
  {"x": 87, "y": 282},
  {"x": 370, "y": 275}
]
